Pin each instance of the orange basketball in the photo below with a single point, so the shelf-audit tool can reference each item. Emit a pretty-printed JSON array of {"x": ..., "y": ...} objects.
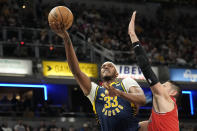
[{"x": 62, "y": 15}]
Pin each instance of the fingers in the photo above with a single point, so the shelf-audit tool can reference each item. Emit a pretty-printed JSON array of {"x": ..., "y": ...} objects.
[
  {"x": 60, "y": 29},
  {"x": 60, "y": 26},
  {"x": 108, "y": 87},
  {"x": 106, "y": 92},
  {"x": 131, "y": 28},
  {"x": 111, "y": 88},
  {"x": 109, "y": 93},
  {"x": 105, "y": 85},
  {"x": 133, "y": 16}
]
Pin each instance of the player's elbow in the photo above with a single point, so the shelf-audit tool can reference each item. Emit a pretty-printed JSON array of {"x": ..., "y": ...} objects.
[{"x": 85, "y": 90}]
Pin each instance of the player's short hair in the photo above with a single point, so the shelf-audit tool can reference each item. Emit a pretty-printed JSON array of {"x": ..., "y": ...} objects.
[{"x": 175, "y": 86}]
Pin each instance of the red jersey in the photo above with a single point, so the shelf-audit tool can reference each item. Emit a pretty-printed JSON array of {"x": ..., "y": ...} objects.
[{"x": 164, "y": 121}]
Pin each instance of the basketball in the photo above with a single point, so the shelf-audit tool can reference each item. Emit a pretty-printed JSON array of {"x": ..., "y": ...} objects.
[{"x": 62, "y": 15}]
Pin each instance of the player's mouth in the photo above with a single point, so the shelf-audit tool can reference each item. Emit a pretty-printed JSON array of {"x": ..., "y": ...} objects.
[{"x": 106, "y": 71}]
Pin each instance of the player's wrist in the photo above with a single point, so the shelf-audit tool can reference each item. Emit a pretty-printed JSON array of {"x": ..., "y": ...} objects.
[
  {"x": 133, "y": 37},
  {"x": 132, "y": 34},
  {"x": 66, "y": 37}
]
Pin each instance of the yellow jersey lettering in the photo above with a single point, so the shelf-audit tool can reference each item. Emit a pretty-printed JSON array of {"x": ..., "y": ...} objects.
[
  {"x": 115, "y": 102},
  {"x": 102, "y": 95},
  {"x": 117, "y": 110},
  {"x": 101, "y": 99},
  {"x": 108, "y": 103},
  {"x": 121, "y": 107},
  {"x": 103, "y": 110},
  {"x": 109, "y": 113},
  {"x": 105, "y": 113},
  {"x": 113, "y": 112}
]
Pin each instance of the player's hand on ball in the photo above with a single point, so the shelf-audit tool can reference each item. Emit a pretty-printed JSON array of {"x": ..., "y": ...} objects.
[
  {"x": 60, "y": 19},
  {"x": 131, "y": 30},
  {"x": 60, "y": 29}
]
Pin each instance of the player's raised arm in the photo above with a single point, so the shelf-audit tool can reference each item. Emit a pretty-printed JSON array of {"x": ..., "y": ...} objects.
[
  {"x": 82, "y": 79},
  {"x": 143, "y": 61}
]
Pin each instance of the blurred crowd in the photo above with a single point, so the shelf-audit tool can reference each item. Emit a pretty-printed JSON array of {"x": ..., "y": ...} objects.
[
  {"x": 169, "y": 38},
  {"x": 20, "y": 125},
  {"x": 29, "y": 107},
  {"x": 53, "y": 125},
  {"x": 184, "y": 127},
  {"x": 46, "y": 126}
]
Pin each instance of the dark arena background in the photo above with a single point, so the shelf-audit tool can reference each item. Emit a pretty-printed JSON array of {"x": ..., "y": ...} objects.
[{"x": 37, "y": 90}]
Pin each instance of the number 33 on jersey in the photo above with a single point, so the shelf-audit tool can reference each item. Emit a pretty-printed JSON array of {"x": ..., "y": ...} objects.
[{"x": 107, "y": 106}]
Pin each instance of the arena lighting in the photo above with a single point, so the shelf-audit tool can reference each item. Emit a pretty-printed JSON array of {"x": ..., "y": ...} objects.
[
  {"x": 191, "y": 100},
  {"x": 23, "y": 6},
  {"x": 27, "y": 86}
]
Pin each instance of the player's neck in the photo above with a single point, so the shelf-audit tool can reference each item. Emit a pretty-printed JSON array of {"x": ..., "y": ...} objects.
[{"x": 109, "y": 81}]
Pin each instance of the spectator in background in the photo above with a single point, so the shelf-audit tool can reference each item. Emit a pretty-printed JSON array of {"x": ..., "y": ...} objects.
[
  {"x": 27, "y": 127},
  {"x": 14, "y": 100},
  {"x": 99, "y": 26},
  {"x": 28, "y": 112},
  {"x": 52, "y": 126},
  {"x": 71, "y": 128},
  {"x": 19, "y": 126},
  {"x": 85, "y": 127},
  {"x": 42, "y": 126},
  {"x": 0, "y": 128},
  {"x": 5, "y": 100},
  {"x": 5, "y": 127}
]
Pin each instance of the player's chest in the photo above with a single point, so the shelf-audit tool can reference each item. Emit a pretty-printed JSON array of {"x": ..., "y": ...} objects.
[{"x": 109, "y": 106}]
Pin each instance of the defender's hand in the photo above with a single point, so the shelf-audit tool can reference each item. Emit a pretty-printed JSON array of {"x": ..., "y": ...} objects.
[{"x": 131, "y": 30}]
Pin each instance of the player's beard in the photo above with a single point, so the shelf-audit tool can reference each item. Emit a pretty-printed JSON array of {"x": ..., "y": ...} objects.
[
  {"x": 107, "y": 78},
  {"x": 110, "y": 77}
]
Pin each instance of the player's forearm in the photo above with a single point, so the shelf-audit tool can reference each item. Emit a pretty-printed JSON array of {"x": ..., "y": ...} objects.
[
  {"x": 143, "y": 61},
  {"x": 145, "y": 66},
  {"x": 71, "y": 56},
  {"x": 133, "y": 38},
  {"x": 81, "y": 78},
  {"x": 137, "y": 98}
]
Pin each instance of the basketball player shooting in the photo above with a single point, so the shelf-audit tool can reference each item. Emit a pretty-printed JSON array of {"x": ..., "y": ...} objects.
[
  {"x": 115, "y": 102},
  {"x": 164, "y": 116}
]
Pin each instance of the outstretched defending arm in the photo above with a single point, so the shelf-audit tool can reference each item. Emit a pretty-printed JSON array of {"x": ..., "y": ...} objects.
[
  {"x": 82, "y": 79},
  {"x": 143, "y": 62}
]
